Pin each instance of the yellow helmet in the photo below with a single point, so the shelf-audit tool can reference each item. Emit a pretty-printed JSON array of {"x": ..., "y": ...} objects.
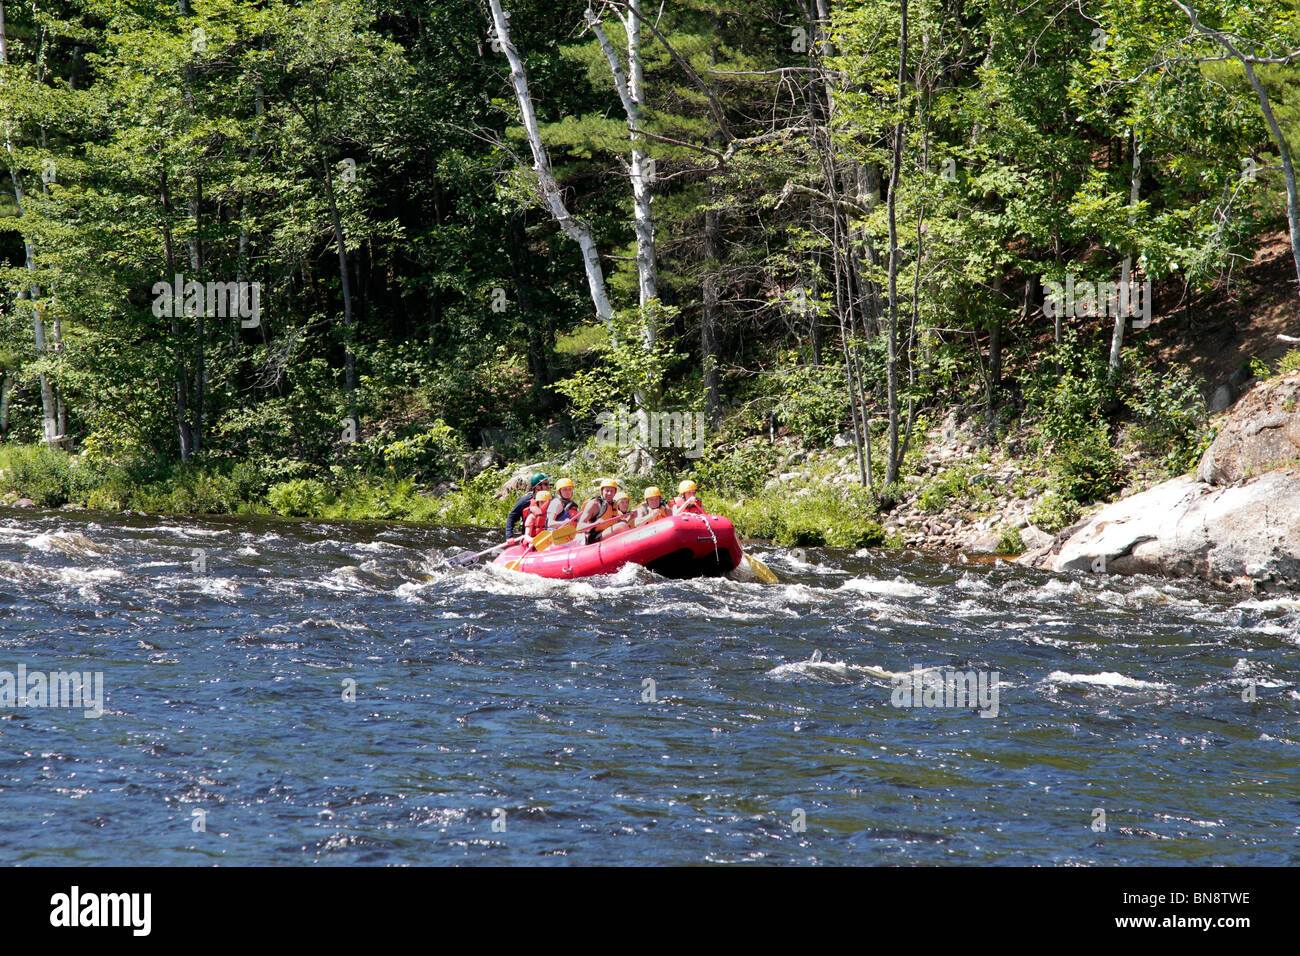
[
  {"x": 542, "y": 496},
  {"x": 622, "y": 496},
  {"x": 608, "y": 483},
  {"x": 653, "y": 492},
  {"x": 687, "y": 487},
  {"x": 564, "y": 483}
]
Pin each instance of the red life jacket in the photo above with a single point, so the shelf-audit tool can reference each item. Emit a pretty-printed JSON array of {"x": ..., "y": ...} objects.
[
  {"x": 535, "y": 522},
  {"x": 680, "y": 506}
]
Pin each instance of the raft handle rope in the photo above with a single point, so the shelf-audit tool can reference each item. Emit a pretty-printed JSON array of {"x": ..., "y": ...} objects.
[{"x": 711, "y": 535}]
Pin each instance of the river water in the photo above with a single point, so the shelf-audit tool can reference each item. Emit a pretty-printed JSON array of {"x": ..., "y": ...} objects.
[{"x": 279, "y": 692}]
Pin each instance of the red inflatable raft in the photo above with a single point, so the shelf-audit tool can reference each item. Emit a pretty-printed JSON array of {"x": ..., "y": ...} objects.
[{"x": 684, "y": 546}]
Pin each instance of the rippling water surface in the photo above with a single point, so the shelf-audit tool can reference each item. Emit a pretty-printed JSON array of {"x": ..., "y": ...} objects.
[{"x": 501, "y": 718}]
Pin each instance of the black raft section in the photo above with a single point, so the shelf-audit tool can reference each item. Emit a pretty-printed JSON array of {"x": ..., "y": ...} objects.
[{"x": 683, "y": 563}]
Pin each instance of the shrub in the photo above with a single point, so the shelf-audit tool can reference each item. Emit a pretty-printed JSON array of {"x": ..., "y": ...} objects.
[
  {"x": 1171, "y": 417},
  {"x": 1087, "y": 469},
  {"x": 1067, "y": 406},
  {"x": 1011, "y": 542},
  {"x": 744, "y": 470},
  {"x": 433, "y": 454},
  {"x": 814, "y": 402},
  {"x": 40, "y": 473},
  {"x": 301, "y": 497},
  {"x": 1054, "y": 512}
]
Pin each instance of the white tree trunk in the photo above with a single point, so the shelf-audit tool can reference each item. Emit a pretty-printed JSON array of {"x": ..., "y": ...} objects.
[
  {"x": 1274, "y": 130},
  {"x": 575, "y": 229},
  {"x": 1126, "y": 270},
  {"x": 49, "y": 418},
  {"x": 631, "y": 92}
]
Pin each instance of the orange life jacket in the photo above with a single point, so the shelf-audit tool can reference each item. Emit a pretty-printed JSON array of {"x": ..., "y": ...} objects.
[
  {"x": 680, "y": 505},
  {"x": 603, "y": 518}
]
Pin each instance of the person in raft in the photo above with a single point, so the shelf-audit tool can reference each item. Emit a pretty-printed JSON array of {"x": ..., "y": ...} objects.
[
  {"x": 686, "y": 501},
  {"x": 600, "y": 516},
  {"x": 623, "y": 502},
  {"x": 535, "y": 519},
  {"x": 652, "y": 509},
  {"x": 539, "y": 483},
  {"x": 563, "y": 509}
]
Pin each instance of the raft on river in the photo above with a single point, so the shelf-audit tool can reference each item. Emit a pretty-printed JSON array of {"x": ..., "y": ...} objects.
[{"x": 683, "y": 546}]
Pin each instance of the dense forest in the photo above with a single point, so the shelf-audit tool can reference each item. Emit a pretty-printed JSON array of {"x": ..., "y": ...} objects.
[{"x": 267, "y": 251}]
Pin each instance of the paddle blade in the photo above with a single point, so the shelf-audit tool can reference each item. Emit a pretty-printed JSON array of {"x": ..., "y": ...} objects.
[
  {"x": 543, "y": 540},
  {"x": 761, "y": 570},
  {"x": 563, "y": 534},
  {"x": 460, "y": 559}
]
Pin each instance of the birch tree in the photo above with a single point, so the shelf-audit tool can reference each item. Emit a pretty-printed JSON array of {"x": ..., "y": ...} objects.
[
  {"x": 49, "y": 418},
  {"x": 574, "y": 228},
  {"x": 631, "y": 93}
]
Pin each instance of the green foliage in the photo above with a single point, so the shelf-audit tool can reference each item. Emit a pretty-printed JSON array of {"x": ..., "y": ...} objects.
[
  {"x": 43, "y": 474},
  {"x": 1053, "y": 511},
  {"x": 1171, "y": 417},
  {"x": 821, "y": 518},
  {"x": 301, "y": 497},
  {"x": 813, "y": 402},
  {"x": 1069, "y": 406},
  {"x": 1261, "y": 369},
  {"x": 1087, "y": 469},
  {"x": 626, "y": 368},
  {"x": 429, "y": 455},
  {"x": 1011, "y": 542},
  {"x": 744, "y": 470},
  {"x": 961, "y": 484}
]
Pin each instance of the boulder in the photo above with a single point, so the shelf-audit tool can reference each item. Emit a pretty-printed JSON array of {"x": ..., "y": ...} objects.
[
  {"x": 517, "y": 483},
  {"x": 1034, "y": 537},
  {"x": 1247, "y": 534},
  {"x": 1262, "y": 432},
  {"x": 1221, "y": 401},
  {"x": 24, "y": 503}
]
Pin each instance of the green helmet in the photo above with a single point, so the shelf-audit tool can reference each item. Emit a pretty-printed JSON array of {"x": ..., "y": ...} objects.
[{"x": 537, "y": 480}]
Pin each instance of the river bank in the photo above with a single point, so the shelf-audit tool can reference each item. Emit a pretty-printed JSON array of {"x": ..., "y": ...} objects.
[{"x": 955, "y": 496}]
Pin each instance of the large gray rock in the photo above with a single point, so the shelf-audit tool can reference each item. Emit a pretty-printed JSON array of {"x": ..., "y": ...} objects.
[
  {"x": 1247, "y": 534},
  {"x": 1222, "y": 398},
  {"x": 1261, "y": 433}
]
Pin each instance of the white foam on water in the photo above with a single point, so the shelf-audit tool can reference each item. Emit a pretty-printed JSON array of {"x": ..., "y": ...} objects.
[
  {"x": 248, "y": 552},
  {"x": 792, "y": 561},
  {"x": 214, "y": 587},
  {"x": 801, "y": 594},
  {"x": 1056, "y": 588},
  {"x": 64, "y": 542},
  {"x": 339, "y": 580},
  {"x": 819, "y": 670},
  {"x": 1104, "y": 679},
  {"x": 13, "y": 571},
  {"x": 1044, "y": 641},
  {"x": 895, "y": 588},
  {"x": 969, "y": 583},
  {"x": 188, "y": 532},
  {"x": 1270, "y": 604},
  {"x": 411, "y": 590}
]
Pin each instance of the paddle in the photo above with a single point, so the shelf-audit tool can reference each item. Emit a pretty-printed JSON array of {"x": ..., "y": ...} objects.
[
  {"x": 514, "y": 565},
  {"x": 471, "y": 558},
  {"x": 761, "y": 570},
  {"x": 566, "y": 532}
]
